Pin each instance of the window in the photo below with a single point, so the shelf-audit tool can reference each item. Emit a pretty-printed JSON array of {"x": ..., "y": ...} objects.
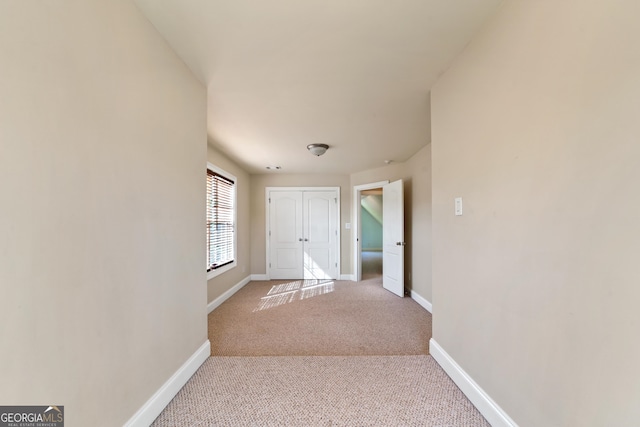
[{"x": 221, "y": 218}]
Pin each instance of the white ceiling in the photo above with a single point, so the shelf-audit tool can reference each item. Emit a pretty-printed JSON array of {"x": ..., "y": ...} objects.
[{"x": 353, "y": 74}]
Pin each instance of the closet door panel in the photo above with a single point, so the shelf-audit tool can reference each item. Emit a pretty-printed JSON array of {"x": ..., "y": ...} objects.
[
  {"x": 320, "y": 229},
  {"x": 285, "y": 241},
  {"x": 302, "y": 235}
]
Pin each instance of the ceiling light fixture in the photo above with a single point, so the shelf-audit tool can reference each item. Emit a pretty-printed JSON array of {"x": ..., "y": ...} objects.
[{"x": 317, "y": 149}]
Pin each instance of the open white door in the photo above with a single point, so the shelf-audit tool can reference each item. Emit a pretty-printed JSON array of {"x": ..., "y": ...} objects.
[{"x": 393, "y": 238}]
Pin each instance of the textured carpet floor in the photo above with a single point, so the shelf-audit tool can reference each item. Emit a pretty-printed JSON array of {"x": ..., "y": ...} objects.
[
  {"x": 320, "y": 353},
  {"x": 318, "y": 318},
  {"x": 320, "y": 391}
]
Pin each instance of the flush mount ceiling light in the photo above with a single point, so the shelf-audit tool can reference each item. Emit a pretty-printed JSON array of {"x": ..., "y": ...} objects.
[{"x": 317, "y": 149}]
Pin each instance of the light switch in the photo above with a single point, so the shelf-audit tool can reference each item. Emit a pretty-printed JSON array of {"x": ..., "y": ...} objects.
[
  {"x": 458, "y": 201},
  {"x": 347, "y": 226}
]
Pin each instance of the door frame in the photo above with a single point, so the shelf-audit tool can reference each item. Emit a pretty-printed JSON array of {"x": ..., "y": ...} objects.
[
  {"x": 357, "y": 238},
  {"x": 267, "y": 216}
]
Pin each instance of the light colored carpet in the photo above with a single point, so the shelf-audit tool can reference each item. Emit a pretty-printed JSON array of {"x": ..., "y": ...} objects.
[
  {"x": 318, "y": 318},
  {"x": 320, "y": 391},
  {"x": 319, "y": 353}
]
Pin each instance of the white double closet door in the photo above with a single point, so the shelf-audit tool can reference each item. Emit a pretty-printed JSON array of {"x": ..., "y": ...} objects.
[{"x": 303, "y": 233}]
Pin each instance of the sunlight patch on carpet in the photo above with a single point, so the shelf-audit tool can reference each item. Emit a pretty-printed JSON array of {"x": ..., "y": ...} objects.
[{"x": 297, "y": 290}]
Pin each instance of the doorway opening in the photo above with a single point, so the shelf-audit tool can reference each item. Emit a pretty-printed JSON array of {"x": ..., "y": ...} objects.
[
  {"x": 371, "y": 233},
  {"x": 367, "y": 262},
  {"x": 392, "y": 202}
]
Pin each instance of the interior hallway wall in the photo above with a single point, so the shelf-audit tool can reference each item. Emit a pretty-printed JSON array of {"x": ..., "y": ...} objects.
[
  {"x": 535, "y": 287},
  {"x": 102, "y": 243}
]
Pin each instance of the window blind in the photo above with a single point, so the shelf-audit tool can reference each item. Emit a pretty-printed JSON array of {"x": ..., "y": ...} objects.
[{"x": 220, "y": 220}]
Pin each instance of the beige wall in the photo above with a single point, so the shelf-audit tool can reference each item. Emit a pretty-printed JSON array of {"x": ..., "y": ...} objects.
[
  {"x": 416, "y": 176},
  {"x": 535, "y": 287},
  {"x": 419, "y": 230},
  {"x": 102, "y": 147},
  {"x": 222, "y": 283},
  {"x": 258, "y": 218}
]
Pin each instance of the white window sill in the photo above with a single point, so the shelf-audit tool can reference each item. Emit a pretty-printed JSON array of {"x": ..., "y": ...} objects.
[{"x": 219, "y": 271}]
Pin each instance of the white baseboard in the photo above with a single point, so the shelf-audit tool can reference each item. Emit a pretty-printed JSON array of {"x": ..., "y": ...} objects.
[
  {"x": 161, "y": 398},
  {"x": 480, "y": 399},
  {"x": 225, "y": 296},
  {"x": 351, "y": 277},
  {"x": 420, "y": 300}
]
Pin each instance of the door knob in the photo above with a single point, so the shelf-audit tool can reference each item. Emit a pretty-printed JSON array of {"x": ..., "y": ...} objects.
[
  {"x": 300, "y": 239},
  {"x": 306, "y": 240}
]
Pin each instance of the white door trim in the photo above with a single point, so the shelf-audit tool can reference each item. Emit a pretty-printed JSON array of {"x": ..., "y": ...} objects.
[
  {"x": 357, "y": 238},
  {"x": 268, "y": 190}
]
